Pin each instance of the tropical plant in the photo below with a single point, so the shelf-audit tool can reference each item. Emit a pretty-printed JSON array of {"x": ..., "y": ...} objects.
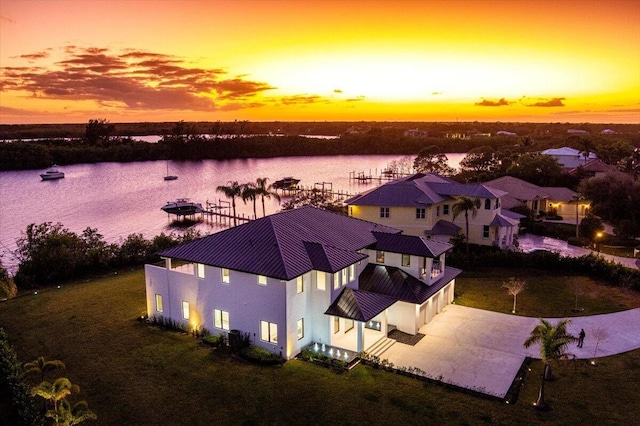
[
  {"x": 232, "y": 190},
  {"x": 40, "y": 367},
  {"x": 53, "y": 393},
  {"x": 553, "y": 340},
  {"x": 249, "y": 192},
  {"x": 265, "y": 191},
  {"x": 8, "y": 288},
  {"x": 72, "y": 415},
  {"x": 464, "y": 205}
]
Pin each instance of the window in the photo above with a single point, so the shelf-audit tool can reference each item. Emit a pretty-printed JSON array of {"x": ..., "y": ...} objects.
[
  {"x": 352, "y": 273},
  {"x": 350, "y": 211},
  {"x": 159, "y": 303},
  {"x": 384, "y": 212},
  {"x": 262, "y": 280},
  {"x": 300, "y": 328},
  {"x": 225, "y": 276},
  {"x": 420, "y": 213},
  {"x": 406, "y": 259},
  {"x": 379, "y": 256},
  {"x": 485, "y": 231},
  {"x": 221, "y": 319},
  {"x": 185, "y": 310},
  {"x": 200, "y": 270},
  {"x": 344, "y": 276},
  {"x": 336, "y": 324},
  {"x": 497, "y": 203},
  {"x": 299, "y": 285},
  {"x": 321, "y": 280},
  {"x": 487, "y": 204},
  {"x": 336, "y": 280},
  {"x": 445, "y": 209},
  {"x": 269, "y": 332},
  {"x": 437, "y": 210},
  {"x": 348, "y": 325}
]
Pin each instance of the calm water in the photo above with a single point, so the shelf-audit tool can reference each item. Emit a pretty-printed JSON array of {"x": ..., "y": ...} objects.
[{"x": 124, "y": 198}]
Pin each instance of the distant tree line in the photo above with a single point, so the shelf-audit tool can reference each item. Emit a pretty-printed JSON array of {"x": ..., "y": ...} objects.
[{"x": 49, "y": 254}]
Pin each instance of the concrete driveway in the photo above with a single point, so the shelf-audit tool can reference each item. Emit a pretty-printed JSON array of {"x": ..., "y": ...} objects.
[{"x": 482, "y": 350}]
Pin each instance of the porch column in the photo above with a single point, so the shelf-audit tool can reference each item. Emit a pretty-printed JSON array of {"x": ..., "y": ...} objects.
[{"x": 359, "y": 337}]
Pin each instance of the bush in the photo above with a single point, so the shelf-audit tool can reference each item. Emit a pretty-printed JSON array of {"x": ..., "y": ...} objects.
[
  {"x": 578, "y": 241},
  {"x": 216, "y": 340},
  {"x": 260, "y": 355}
]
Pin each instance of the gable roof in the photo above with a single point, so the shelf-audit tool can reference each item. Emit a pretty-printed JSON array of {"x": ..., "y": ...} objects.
[
  {"x": 410, "y": 244},
  {"x": 593, "y": 166},
  {"x": 420, "y": 190},
  {"x": 444, "y": 227},
  {"x": 566, "y": 151},
  {"x": 359, "y": 305},
  {"x": 284, "y": 245},
  {"x": 521, "y": 190}
]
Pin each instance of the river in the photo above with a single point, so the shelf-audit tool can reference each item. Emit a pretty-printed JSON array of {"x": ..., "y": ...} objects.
[{"x": 119, "y": 199}]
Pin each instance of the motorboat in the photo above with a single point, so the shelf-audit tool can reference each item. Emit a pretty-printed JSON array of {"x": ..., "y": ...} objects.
[
  {"x": 286, "y": 183},
  {"x": 182, "y": 207},
  {"x": 52, "y": 173}
]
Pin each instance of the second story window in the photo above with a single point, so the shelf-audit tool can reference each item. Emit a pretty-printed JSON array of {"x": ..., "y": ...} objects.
[
  {"x": 485, "y": 231},
  {"x": 406, "y": 259},
  {"x": 384, "y": 212},
  {"x": 262, "y": 280},
  {"x": 225, "y": 276},
  {"x": 437, "y": 211},
  {"x": 420, "y": 213},
  {"x": 487, "y": 204},
  {"x": 445, "y": 209},
  {"x": 379, "y": 256},
  {"x": 299, "y": 285}
]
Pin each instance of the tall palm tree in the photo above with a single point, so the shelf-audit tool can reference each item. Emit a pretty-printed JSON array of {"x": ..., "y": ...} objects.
[
  {"x": 232, "y": 190},
  {"x": 41, "y": 367},
  {"x": 553, "y": 345},
  {"x": 249, "y": 192},
  {"x": 53, "y": 393},
  {"x": 265, "y": 191},
  {"x": 465, "y": 204}
]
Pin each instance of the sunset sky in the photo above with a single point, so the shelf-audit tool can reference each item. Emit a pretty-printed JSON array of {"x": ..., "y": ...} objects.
[{"x": 126, "y": 61}]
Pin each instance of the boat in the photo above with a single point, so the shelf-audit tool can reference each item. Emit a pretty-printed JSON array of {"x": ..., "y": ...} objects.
[
  {"x": 286, "y": 183},
  {"x": 52, "y": 173},
  {"x": 168, "y": 176},
  {"x": 182, "y": 207}
]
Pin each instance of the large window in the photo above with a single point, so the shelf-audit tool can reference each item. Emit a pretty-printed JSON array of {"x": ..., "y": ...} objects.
[
  {"x": 300, "y": 328},
  {"x": 352, "y": 273},
  {"x": 406, "y": 259},
  {"x": 344, "y": 276},
  {"x": 200, "y": 270},
  {"x": 225, "y": 276},
  {"x": 384, "y": 212},
  {"x": 185, "y": 310},
  {"x": 321, "y": 280},
  {"x": 485, "y": 231},
  {"x": 262, "y": 280},
  {"x": 269, "y": 332},
  {"x": 336, "y": 280},
  {"x": 221, "y": 319},
  {"x": 299, "y": 285},
  {"x": 348, "y": 325},
  {"x": 487, "y": 204},
  {"x": 336, "y": 324},
  {"x": 379, "y": 256},
  {"x": 445, "y": 209},
  {"x": 159, "y": 303},
  {"x": 421, "y": 213}
]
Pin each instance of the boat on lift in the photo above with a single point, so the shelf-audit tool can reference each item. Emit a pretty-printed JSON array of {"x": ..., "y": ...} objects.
[
  {"x": 182, "y": 207},
  {"x": 288, "y": 182},
  {"x": 52, "y": 173}
]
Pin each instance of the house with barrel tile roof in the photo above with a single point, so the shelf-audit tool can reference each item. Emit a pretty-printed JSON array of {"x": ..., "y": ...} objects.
[{"x": 303, "y": 277}]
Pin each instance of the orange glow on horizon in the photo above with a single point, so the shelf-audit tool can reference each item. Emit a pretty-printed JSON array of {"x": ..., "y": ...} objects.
[{"x": 541, "y": 61}]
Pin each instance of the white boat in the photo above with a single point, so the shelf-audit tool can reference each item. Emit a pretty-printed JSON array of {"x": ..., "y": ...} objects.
[
  {"x": 182, "y": 207},
  {"x": 52, "y": 173},
  {"x": 168, "y": 176}
]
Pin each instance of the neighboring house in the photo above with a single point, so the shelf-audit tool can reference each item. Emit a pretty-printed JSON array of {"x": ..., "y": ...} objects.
[
  {"x": 301, "y": 277},
  {"x": 422, "y": 204},
  {"x": 569, "y": 158},
  {"x": 592, "y": 168},
  {"x": 539, "y": 198}
]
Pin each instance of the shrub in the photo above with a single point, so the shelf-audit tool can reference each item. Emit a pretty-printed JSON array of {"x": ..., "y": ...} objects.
[
  {"x": 215, "y": 340},
  {"x": 578, "y": 241},
  {"x": 260, "y": 355}
]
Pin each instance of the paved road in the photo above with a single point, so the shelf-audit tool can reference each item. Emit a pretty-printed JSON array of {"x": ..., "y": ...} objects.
[{"x": 482, "y": 350}]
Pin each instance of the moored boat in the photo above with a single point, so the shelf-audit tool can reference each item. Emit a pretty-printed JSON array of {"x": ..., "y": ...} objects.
[
  {"x": 52, "y": 173},
  {"x": 182, "y": 207},
  {"x": 286, "y": 183}
]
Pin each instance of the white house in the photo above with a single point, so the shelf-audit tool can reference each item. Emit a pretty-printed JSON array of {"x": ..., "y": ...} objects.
[
  {"x": 304, "y": 276},
  {"x": 422, "y": 205},
  {"x": 569, "y": 158}
]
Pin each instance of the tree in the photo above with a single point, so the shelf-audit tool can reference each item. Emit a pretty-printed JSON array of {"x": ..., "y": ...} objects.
[
  {"x": 514, "y": 286},
  {"x": 480, "y": 164},
  {"x": 98, "y": 131},
  {"x": 432, "y": 160},
  {"x": 586, "y": 147},
  {"x": 316, "y": 198},
  {"x": 464, "y": 205},
  {"x": 265, "y": 191},
  {"x": 60, "y": 409},
  {"x": 232, "y": 190},
  {"x": 598, "y": 335},
  {"x": 40, "y": 367},
  {"x": 542, "y": 170},
  {"x": 248, "y": 192},
  {"x": 590, "y": 225},
  {"x": 8, "y": 288},
  {"x": 614, "y": 196},
  {"x": 553, "y": 342}
]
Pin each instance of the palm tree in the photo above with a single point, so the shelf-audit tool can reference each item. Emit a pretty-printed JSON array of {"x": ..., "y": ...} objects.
[
  {"x": 53, "y": 393},
  {"x": 232, "y": 191},
  {"x": 465, "y": 204},
  {"x": 41, "y": 367},
  {"x": 265, "y": 191},
  {"x": 80, "y": 412},
  {"x": 553, "y": 345},
  {"x": 249, "y": 192}
]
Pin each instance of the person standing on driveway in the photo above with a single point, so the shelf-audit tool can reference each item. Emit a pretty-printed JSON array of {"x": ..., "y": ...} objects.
[{"x": 581, "y": 338}]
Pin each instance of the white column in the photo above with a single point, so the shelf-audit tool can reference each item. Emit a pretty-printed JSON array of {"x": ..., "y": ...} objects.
[{"x": 359, "y": 336}]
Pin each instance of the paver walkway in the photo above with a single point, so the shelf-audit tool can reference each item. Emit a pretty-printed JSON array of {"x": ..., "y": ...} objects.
[{"x": 482, "y": 350}]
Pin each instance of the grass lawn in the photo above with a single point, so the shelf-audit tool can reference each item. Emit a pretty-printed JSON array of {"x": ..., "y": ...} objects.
[
  {"x": 547, "y": 294},
  {"x": 135, "y": 374}
]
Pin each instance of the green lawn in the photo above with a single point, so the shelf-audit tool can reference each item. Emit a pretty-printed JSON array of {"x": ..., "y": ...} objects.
[
  {"x": 135, "y": 374},
  {"x": 547, "y": 294}
]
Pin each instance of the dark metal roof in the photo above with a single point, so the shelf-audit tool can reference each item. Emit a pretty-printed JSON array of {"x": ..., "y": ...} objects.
[
  {"x": 500, "y": 220},
  {"x": 421, "y": 190},
  {"x": 410, "y": 244},
  {"x": 274, "y": 246},
  {"x": 359, "y": 305},
  {"x": 331, "y": 259},
  {"x": 444, "y": 227},
  {"x": 395, "y": 282}
]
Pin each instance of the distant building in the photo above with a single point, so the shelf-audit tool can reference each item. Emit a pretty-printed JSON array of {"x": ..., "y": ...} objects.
[
  {"x": 592, "y": 168},
  {"x": 569, "y": 158},
  {"x": 577, "y": 132},
  {"x": 458, "y": 135},
  {"x": 416, "y": 133},
  {"x": 505, "y": 133},
  {"x": 608, "y": 132}
]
